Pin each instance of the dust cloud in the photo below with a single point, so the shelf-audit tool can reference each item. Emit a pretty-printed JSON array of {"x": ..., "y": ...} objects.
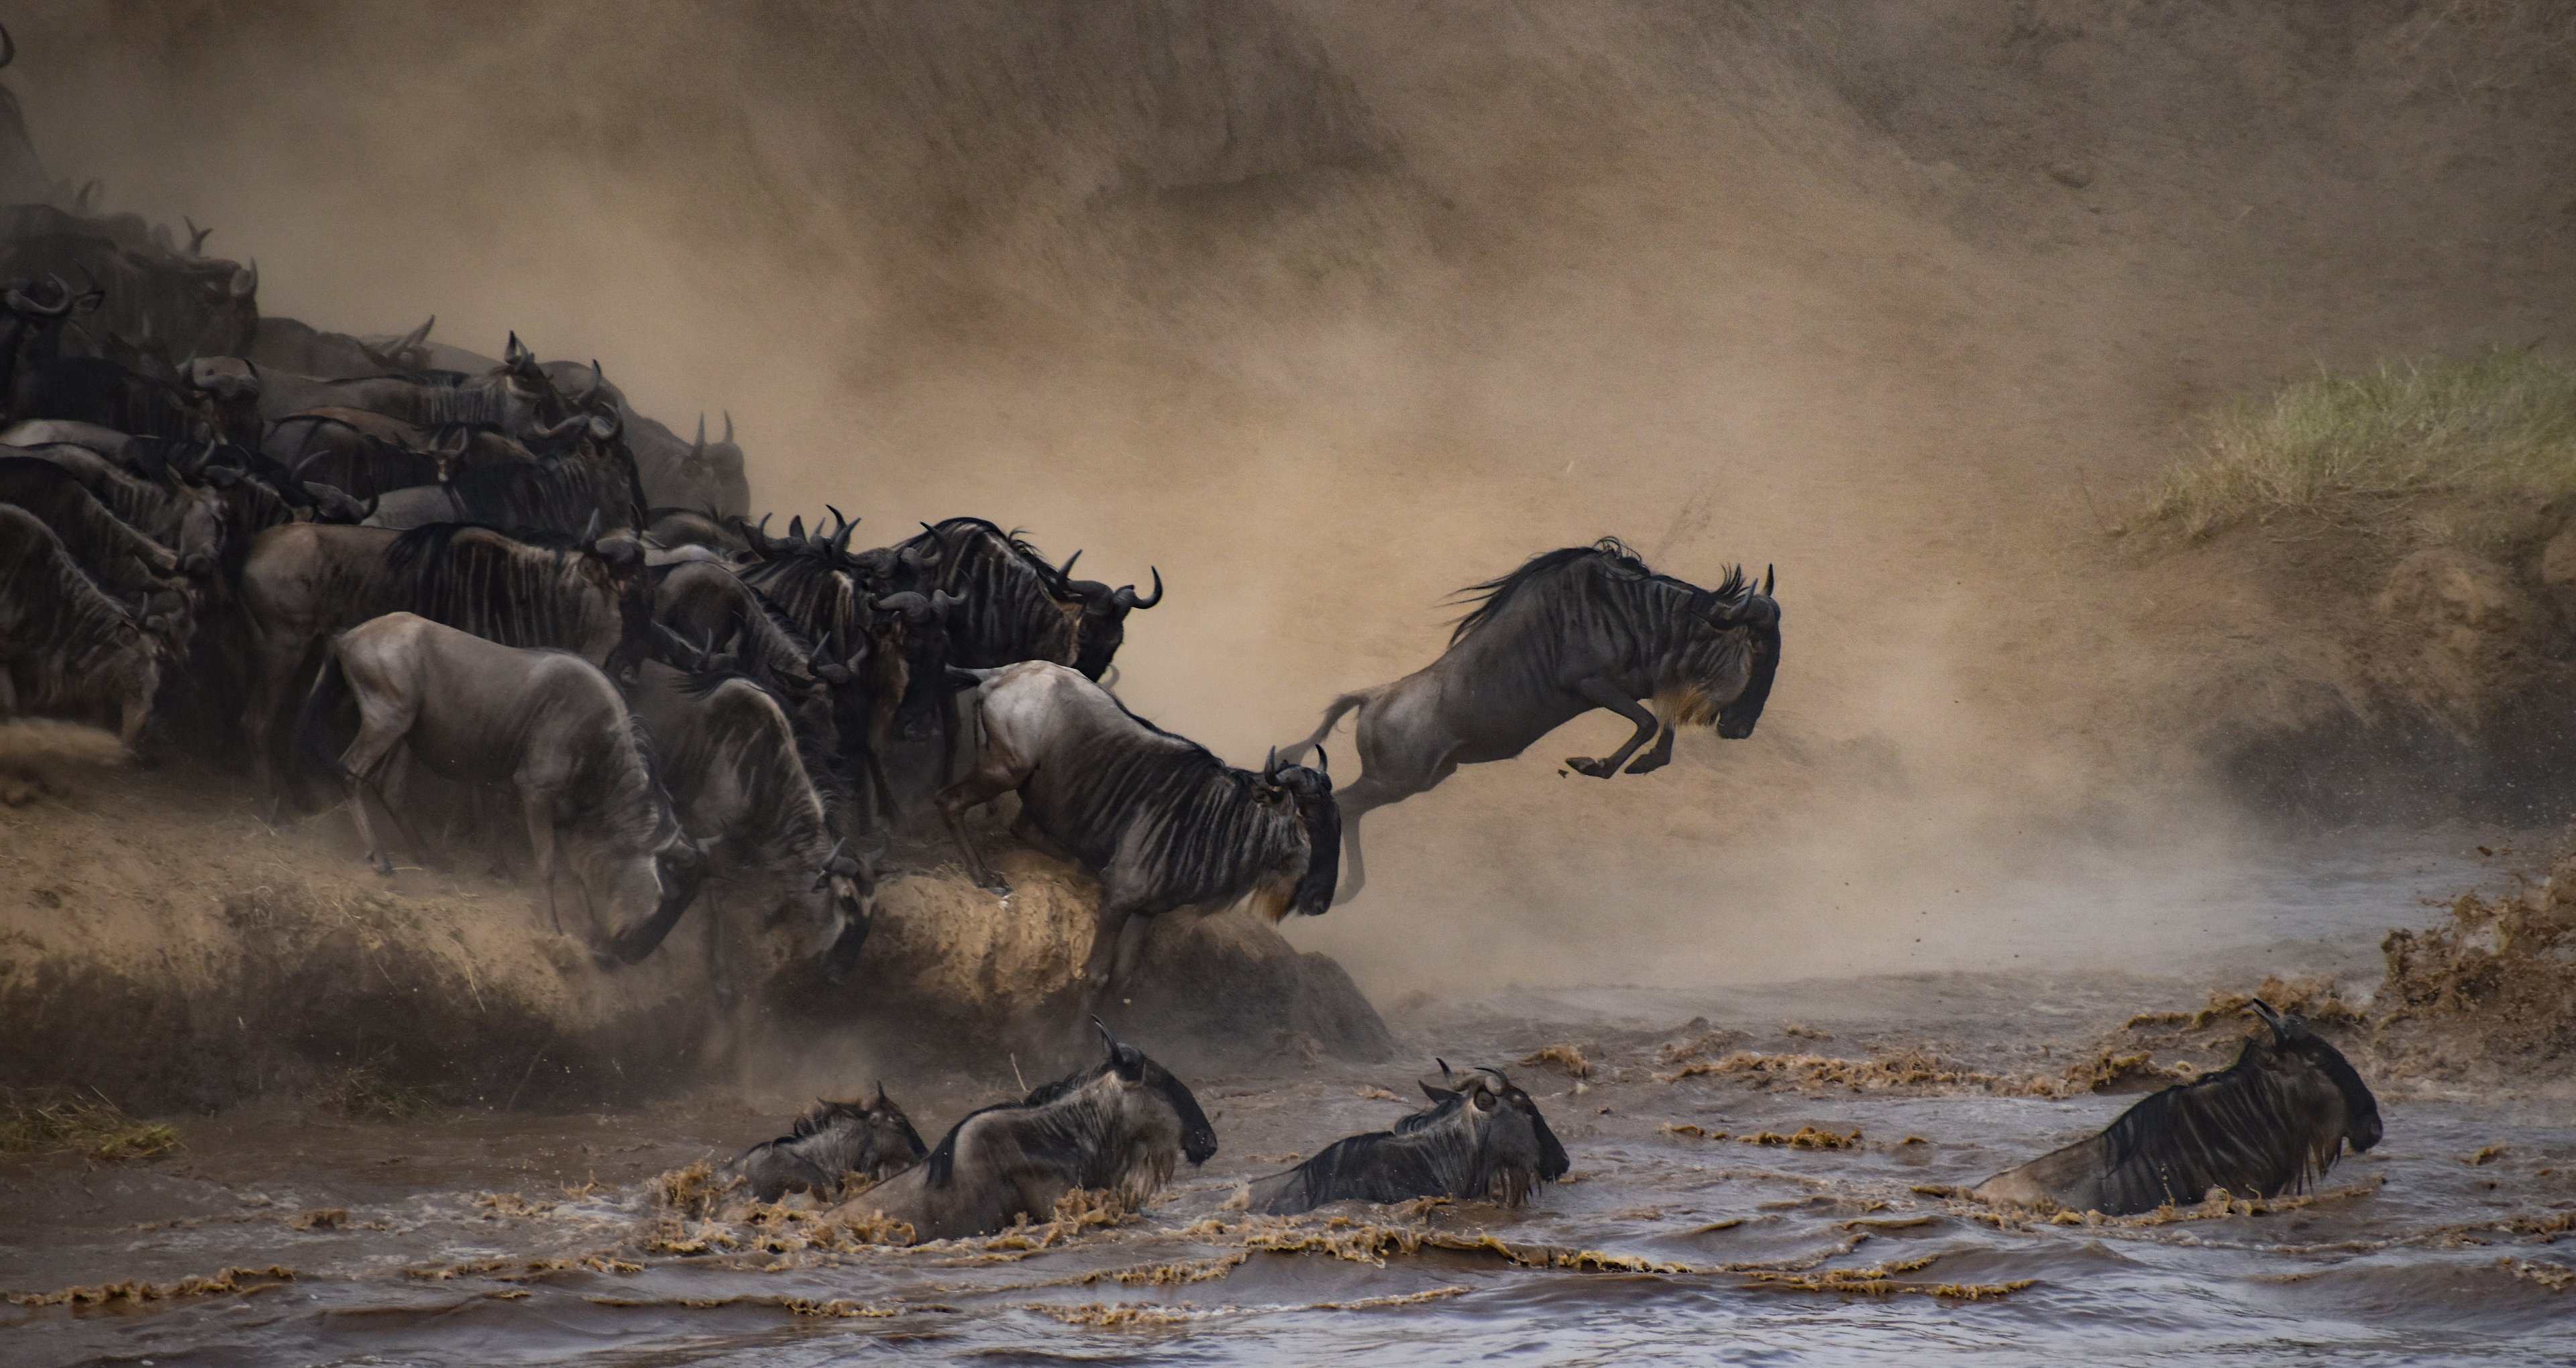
[{"x": 1326, "y": 309}]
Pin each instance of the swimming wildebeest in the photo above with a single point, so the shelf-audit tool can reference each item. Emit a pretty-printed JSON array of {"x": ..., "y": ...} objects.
[
  {"x": 1572, "y": 630},
  {"x": 66, "y": 648},
  {"x": 745, "y": 795},
  {"x": 832, "y": 1140},
  {"x": 1160, "y": 820},
  {"x": 1119, "y": 1127},
  {"x": 304, "y": 581},
  {"x": 546, "y": 723},
  {"x": 2273, "y": 1122},
  {"x": 1481, "y": 1137}
]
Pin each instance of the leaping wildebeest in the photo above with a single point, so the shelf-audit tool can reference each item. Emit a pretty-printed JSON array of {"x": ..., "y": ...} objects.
[
  {"x": 1572, "y": 630},
  {"x": 1119, "y": 1127},
  {"x": 870, "y": 1138},
  {"x": 1481, "y": 1137},
  {"x": 2271, "y": 1123},
  {"x": 546, "y": 723},
  {"x": 1162, "y": 822}
]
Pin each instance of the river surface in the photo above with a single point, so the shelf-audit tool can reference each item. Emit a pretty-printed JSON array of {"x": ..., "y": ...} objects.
[{"x": 482, "y": 1237}]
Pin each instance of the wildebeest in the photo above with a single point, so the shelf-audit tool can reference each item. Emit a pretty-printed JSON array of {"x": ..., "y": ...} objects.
[
  {"x": 1015, "y": 606},
  {"x": 1482, "y": 1137},
  {"x": 745, "y": 795},
  {"x": 517, "y": 397},
  {"x": 1571, "y": 630},
  {"x": 299, "y": 348},
  {"x": 547, "y": 723},
  {"x": 870, "y": 1138},
  {"x": 117, "y": 555},
  {"x": 702, "y": 604},
  {"x": 185, "y": 303},
  {"x": 188, "y": 519},
  {"x": 304, "y": 581},
  {"x": 1164, "y": 823},
  {"x": 1120, "y": 1127},
  {"x": 65, "y": 646},
  {"x": 2271, "y": 1123}
]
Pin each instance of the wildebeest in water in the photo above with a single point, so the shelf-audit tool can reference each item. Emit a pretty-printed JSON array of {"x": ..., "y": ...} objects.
[
  {"x": 1482, "y": 1137},
  {"x": 830, "y": 1143},
  {"x": 2271, "y": 1123},
  {"x": 1572, "y": 630},
  {"x": 1120, "y": 1127},
  {"x": 546, "y": 723}
]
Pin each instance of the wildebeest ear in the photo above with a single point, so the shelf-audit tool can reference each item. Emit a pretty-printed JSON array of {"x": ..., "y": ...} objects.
[
  {"x": 879, "y": 1102},
  {"x": 1435, "y": 1094}
]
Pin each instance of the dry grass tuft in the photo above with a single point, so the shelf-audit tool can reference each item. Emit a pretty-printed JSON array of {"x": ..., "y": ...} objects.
[
  {"x": 2496, "y": 433},
  {"x": 1567, "y": 1057},
  {"x": 91, "y": 1126}
]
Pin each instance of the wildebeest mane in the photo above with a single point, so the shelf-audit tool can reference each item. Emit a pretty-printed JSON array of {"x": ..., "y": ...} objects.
[
  {"x": 1491, "y": 596},
  {"x": 492, "y": 583},
  {"x": 1208, "y": 822}
]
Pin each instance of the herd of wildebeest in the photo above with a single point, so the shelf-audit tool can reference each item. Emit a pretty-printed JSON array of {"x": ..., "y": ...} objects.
[{"x": 428, "y": 581}]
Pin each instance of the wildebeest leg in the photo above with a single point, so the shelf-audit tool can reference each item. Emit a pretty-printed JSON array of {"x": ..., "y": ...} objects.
[
  {"x": 394, "y": 791},
  {"x": 274, "y": 667},
  {"x": 380, "y": 729},
  {"x": 1657, "y": 757},
  {"x": 716, "y": 975},
  {"x": 1608, "y": 695},
  {"x": 539, "y": 809},
  {"x": 1108, "y": 948},
  {"x": 992, "y": 777},
  {"x": 1362, "y": 796}
]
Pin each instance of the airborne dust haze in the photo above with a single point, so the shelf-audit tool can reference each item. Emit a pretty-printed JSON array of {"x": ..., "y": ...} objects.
[{"x": 1328, "y": 309}]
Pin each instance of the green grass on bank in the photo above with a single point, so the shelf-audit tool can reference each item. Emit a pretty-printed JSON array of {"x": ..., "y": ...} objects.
[{"x": 2490, "y": 436}]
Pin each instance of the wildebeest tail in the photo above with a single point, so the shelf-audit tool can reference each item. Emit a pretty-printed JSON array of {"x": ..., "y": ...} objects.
[
  {"x": 315, "y": 756},
  {"x": 1333, "y": 714}
]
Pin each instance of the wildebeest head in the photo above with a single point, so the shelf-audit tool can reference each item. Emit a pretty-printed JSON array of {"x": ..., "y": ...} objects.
[
  {"x": 871, "y": 1136},
  {"x": 1747, "y": 618},
  {"x": 853, "y": 886},
  {"x": 2291, "y": 1048},
  {"x": 1157, "y": 1107},
  {"x": 620, "y": 558},
  {"x": 1308, "y": 792},
  {"x": 908, "y": 645},
  {"x": 1513, "y": 1144},
  {"x": 1102, "y": 628}
]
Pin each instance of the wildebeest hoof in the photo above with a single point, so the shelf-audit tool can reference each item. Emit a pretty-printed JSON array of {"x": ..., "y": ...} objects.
[{"x": 1584, "y": 764}]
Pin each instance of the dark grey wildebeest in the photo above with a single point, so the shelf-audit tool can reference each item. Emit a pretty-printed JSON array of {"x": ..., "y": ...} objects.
[
  {"x": 1572, "y": 630},
  {"x": 1120, "y": 1127},
  {"x": 66, "y": 648},
  {"x": 188, "y": 519},
  {"x": 832, "y": 1142},
  {"x": 2271, "y": 1123},
  {"x": 1013, "y": 605},
  {"x": 304, "y": 581},
  {"x": 1162, "y": 822},
  {"x": 1482, "y": 1137},
  {"x": 745, "y": 795},
  {"x": 117, "y": 555},
  {"x": 546, "y": 723}
]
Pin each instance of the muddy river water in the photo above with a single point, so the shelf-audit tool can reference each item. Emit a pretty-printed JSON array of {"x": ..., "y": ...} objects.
[{"x": 480, "y": 1237}]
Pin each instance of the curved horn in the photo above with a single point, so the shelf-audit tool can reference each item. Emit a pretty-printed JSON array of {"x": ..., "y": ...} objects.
[
  {"x": 603, "y": 426},
  {"x": 1323, "y": 762},
  {"x": 2271, "y": 1018},
  {"x": 942, "y": 602},
  {"x": 419, "y": 336},
  {"x": 1766, "y": 580},
  {"x": 700, "y": 444},
  {"x": 728, "y": 417},
  {"x": 8, "y": 47},
  {"x": 1126, "y": 596},
  {"x": 545, "y": 433},
  {"x": 246, "y": 280},
  {"x": 910, "y": 603},
  {"x": 1106, "y": 1038},
  {"x": 796, "y": 527},
  {"x": 196, "y": 236},
  {"x": 88, "y": 195},
  {"x": 1270, "y": 767},
  {"x": 1065, "y": 571},
  {"x": 21, "y": 304},
  {"x": 590, "y": 532}
]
